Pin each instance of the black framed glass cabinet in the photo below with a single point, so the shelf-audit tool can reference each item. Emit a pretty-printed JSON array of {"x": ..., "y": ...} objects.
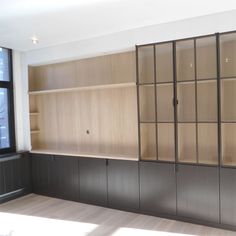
[{"x": 186, "y": 100}]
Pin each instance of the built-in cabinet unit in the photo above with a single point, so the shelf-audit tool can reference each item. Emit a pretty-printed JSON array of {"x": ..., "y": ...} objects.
[
  {"x": 174, "y": 133},
  {"x": 187, "y": 116},
  {"x": 85, "y": 108}
]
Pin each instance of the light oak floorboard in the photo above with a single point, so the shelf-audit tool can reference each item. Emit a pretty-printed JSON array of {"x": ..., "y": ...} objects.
[{"x": 39, "y": 215}]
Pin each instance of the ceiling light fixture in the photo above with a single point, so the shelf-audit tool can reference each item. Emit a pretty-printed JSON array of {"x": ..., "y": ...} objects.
[{"x": 34, "y": 40}]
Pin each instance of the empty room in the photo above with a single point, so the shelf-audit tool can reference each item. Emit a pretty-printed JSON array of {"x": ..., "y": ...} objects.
[{"x": 117, "y": 117}]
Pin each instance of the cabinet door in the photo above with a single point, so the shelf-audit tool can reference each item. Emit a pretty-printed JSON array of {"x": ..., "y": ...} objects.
[
  {"x": 198, "y": 192},
  {"x": 8, "y": 172},
  {"x": 228, "y": 196},
  {"x": 93, "y": 180},
  {"x": 157, "y": 187},
  {"x": 41, "y": 167},
  {"x": 2, "y": 184},
  {"x": 65, "y": 177},
  {"x": 15, "y": 173},
  {"x": 123, "y": 184},
  {"x": 25, "y": 172}
]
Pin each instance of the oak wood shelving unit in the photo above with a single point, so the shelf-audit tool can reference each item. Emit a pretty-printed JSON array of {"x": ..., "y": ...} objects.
[{"x": 85, "y": 107}]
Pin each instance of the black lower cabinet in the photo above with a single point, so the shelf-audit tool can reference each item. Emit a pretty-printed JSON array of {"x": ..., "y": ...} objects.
[
  {"x": 198, "y": 193},
  {"x": 56, "y": 176},
  {"x": 15, "y": 178},
  {"x": 93, "y": 180},
  {"x": 228, "y": 196},
  {"x": 41, "y": 173},
  {"x": 158, "y": 188},
  {"x": 64, "y": 177},
  {"x": 123, "y": 184}
]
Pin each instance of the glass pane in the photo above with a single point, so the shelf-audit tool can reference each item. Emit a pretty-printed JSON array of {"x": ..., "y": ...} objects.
[
  {"x": 4, "y": 65},
  {"x": 147, "y": 103},
  {"x": 206, "y": 57},
  {"x": 166, "y": 142},
  {"x": 148, "y": 141},
  {"x": 229, "y": 143},
  {"x": 165, "y": 108},
  {"x": 164, "y": 62},
  {"x": 4, "y": 122},
  {"x": 185, "y": 60},
  {"x": 146, "y": 64},
  {"x": 228, "y": 55},
  {"x": 207, "y": 100},
  {"x": 186, "y": 102},
  {"x": 207, "y": 143},
  {"x": 187, "y": 143},
  {"x": 228, "y": 96}
]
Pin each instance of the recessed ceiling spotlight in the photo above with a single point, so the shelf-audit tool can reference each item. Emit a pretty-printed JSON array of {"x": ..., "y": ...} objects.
[{"x": 34, "y": 40}]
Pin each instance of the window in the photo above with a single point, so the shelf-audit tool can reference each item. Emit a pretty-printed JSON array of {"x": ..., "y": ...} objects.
[{"x": 7, "y": 129}]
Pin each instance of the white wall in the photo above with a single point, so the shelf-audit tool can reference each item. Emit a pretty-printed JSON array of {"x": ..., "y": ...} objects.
[{"x": 116, "y": 42}]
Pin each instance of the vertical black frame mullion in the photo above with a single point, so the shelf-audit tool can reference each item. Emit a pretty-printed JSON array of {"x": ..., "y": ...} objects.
[
  {"x": 219, "y": 116},
  {"x": 218, "y": 98},
  {"x": 175, "y": 103},
  {"x": 155, "y": 95},
  {"x": 138, "y": 102},
  {"x": 196, "y": 101},
  {"x": 11, "y": 118}
]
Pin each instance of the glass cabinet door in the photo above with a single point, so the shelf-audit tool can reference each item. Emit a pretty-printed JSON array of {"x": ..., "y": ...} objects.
[
  {"x": 180, "y": 94},
  {"x": 207, "y": 114},
  {"x": 164, "y": 102},
  {"x": 197, "y": 100},
  {"x": 147, "y": 101},
  {"x": 186, "y": 108},
  {"x": 228, "y": 97}
]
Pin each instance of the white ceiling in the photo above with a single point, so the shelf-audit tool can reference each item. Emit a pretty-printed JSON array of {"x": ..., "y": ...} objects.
[{"x": 55, "y": 22}]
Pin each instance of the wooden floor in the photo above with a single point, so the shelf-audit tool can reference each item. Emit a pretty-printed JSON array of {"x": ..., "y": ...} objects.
[{"x": 35, "y": 215}]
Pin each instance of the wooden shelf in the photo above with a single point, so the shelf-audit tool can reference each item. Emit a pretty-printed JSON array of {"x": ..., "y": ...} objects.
[
  {"x": 228, "y": 163},
  {"x": 209, "y": 161},
  {"x": 149, "y": 158},
  {"x": 83, "y": 154},
  {"x": 84, "y": 88},
  {"x": 34, "y": 113},
  {"x": 35, "y": 131}
]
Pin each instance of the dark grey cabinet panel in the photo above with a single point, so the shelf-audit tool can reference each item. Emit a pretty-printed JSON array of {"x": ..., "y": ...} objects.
[
  {"x": 228, "y": 196},
  {"x": 15, "y": 178},
  {"x": 41, "y": 173},
  {"x": 123, "y": 184},
  {"x": 2, "y": 184},
  {"x": 56, "y": 176},
  {"x": 198, "y": 192},
  {"x": 64, "y": 177},
  {"x": 158, "y": 188},
  {"x": 93, "y": 180}
]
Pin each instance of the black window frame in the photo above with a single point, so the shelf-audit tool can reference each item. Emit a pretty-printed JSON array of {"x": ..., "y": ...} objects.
[{"x": 11, "y": 117}]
